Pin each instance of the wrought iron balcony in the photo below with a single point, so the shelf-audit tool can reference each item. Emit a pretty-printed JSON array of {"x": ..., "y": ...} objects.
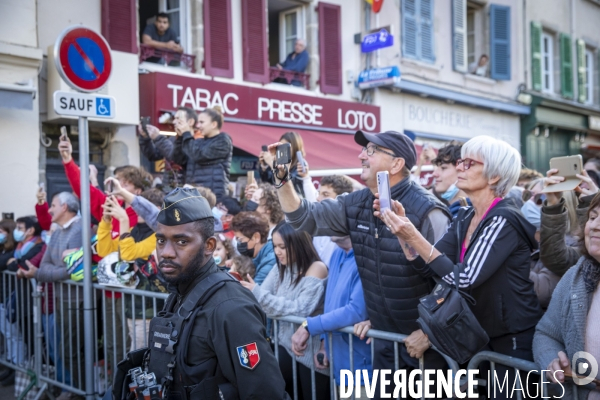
[
  {"x": 285, "y": 76},
  {"x": 167, "y": 57}
]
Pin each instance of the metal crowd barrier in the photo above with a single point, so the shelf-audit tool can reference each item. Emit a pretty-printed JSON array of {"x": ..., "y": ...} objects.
[
  {"x": 396, "y": 338},
  {"x": 42, "y": 331}
]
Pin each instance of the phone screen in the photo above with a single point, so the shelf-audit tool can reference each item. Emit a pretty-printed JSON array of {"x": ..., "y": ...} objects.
[
  {"x": 250, "y": 177},
  {"x": 383, "y": 187},
  {"x": 63, "y": 133},
  {"x": 109, "y": 187}
]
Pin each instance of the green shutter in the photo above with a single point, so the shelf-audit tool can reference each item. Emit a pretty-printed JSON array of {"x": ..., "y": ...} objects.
[
  {"x": 581, "y": 72},
  {"x": 536, "y": 56},
  {"x": 566, "y": 66}
]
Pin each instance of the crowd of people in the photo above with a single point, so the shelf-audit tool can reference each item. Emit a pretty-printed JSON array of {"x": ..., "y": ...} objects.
[{"x": 527, "y": 255}]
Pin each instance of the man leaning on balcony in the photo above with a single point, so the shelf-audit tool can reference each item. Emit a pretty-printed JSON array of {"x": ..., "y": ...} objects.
[
  {"x": 161, "y": 37},
  {"x": 296, "y": 61}
]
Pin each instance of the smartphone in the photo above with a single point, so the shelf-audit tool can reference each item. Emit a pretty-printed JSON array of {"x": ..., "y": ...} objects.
[
  {"x": 144, "y": 121},
  {"x": 283, "y": 154},
  {"x": 265, "y": 147},
  {"x": 43, "y": 186},
  {"x": 383, "y": 187},
  {"x": 236, "y": 275},
  {"x": 63, "y": 133},
  {"x": 300, "y": 160},
  {"x": 568, "y": 167},
  {"x": 109, "y": 187},
  {"x": 8, "y": 215},
  {"x": 251, "y": 179}
]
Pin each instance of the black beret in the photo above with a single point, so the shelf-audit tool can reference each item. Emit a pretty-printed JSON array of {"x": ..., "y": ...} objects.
[
  {"x": 399, "y": 143},
  {"x": 182, "y": 206}
]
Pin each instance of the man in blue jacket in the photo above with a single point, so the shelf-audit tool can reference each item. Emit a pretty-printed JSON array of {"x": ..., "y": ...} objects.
[
  {"x": 296, "y": 61},
  {"x": 344, "y": 306}
]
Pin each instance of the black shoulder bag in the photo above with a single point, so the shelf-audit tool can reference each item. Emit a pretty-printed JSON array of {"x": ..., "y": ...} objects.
[{"x": 447, "y": 319}]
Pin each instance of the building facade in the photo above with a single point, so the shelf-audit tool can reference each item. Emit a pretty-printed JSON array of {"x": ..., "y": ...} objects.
[
  {"x": 562, "y": 78},
  {"x": 446, "y": 91}
]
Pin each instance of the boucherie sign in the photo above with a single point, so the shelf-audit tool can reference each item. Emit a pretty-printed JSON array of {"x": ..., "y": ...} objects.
[{"x": 243, "y": 103}]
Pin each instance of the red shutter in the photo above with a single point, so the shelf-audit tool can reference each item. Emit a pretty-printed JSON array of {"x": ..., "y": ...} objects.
[
  {"x": 254, "y": 32},
  {"x": 119, "y": 25},
  {"x": 218, "y": 60},
  {"x": 330, "y": 48}
]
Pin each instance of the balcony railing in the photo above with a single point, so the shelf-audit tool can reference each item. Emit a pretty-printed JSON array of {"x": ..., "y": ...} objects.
[
  {"x": 167, "y": 57},
  {"x": 285, "y": 76}
]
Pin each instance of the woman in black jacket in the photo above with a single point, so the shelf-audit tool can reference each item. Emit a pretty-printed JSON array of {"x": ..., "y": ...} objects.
[
  {"x": 207, "y": 159},
  {"x": 266, "y": 162},
  {"x": 491, "y": 242}
]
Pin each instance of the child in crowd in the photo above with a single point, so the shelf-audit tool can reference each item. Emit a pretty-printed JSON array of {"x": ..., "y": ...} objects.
[
  {"x": 223, "y": 252},
  {"x": 243, "y": 266}
]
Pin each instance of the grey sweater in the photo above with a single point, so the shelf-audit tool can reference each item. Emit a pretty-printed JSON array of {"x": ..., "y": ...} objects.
[
  {"x": 303, "y": 300},
  {"x": 562, "y": 328},
  {"x": 52, "y": 268}
]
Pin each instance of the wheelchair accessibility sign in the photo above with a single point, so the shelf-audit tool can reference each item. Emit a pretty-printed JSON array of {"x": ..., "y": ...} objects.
[{"x": 84, "y": 105}]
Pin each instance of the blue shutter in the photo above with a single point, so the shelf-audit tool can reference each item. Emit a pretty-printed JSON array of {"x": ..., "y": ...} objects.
[
  {"x": 409, "y": 29},
  {"x": 426, "y": 30},
  {"x": 500, "y": 42}
]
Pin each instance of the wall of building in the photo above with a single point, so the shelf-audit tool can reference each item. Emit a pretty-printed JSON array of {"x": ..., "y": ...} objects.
[
  {"x": 56, "y": 15},
  {"x": 18, "y": 22}
]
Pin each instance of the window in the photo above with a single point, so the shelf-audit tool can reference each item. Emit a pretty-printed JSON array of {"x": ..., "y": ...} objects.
[
  {"x": 291, "y": 28},
  {"x": 178, "y": 13},
  {"x": 547, "y": 63},
  {"x": 417, "y": 30},
  {"x": 589, "y": 70},
  {"x": 471, "y": 52}
]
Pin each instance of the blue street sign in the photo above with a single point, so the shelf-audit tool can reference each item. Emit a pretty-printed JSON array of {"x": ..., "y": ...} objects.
[
  {"x": 374, "y": 77},
  {"x": 376, "y": 41}
]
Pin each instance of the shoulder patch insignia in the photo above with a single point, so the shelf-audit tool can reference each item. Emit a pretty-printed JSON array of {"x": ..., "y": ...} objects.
[{"x": 248, "y": 355}]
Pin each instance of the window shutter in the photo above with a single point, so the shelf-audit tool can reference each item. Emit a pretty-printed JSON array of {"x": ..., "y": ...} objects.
[
  {"x": 459, "y": 33},
  {"x": 119, "y": 25},
  {"x": 218, "y": 60},
  {"x": 409, "y": 29},
  {"x": 500, "y": 42},
  {"x": 426, "y": 31},
  {"x": 330, "y": 48},
  {"x": 254, "y": 31},
  {"x": 581, "y": 72},
  {"x": 536, "y": 56},
  {"x": 566, "y": 66}
]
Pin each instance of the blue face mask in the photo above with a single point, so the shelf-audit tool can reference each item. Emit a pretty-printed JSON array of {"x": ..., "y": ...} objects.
[
  {"x": 18, "y": 235},
  {"x": 217, "y": 259},
  {"x": 2, "y": 238},
  {"x": 450, "y": 193}
]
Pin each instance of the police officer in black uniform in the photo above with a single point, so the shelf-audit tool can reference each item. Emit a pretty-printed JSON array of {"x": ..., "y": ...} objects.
[{"x": 209, "y": 340}]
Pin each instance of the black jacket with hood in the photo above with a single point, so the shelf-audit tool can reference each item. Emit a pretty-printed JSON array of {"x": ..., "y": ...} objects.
[{"x": 495, "y": 270}]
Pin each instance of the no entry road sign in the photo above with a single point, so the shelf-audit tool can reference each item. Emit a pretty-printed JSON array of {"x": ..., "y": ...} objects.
[{"x": 83, "y": 59}]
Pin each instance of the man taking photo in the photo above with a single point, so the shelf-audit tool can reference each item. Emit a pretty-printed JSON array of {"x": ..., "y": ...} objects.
[{"x": 391, "y": 286}]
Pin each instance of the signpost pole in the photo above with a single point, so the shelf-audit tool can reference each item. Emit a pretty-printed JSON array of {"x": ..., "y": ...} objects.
[{"x": 88, "y": 307}]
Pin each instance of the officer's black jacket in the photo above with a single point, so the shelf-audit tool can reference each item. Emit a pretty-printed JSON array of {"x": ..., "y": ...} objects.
[{"x": 229, "y": 319}]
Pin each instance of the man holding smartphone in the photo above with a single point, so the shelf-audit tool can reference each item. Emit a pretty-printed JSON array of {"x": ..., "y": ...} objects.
[{"x": 392, "y": 287}]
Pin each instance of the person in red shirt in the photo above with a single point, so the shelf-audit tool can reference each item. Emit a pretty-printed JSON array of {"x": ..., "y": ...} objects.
[{"x": 135, "y": 180}]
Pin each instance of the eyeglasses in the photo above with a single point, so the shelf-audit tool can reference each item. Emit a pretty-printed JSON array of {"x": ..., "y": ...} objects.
[
  {"x": 372, "y": 149},
  {"x": 467, "y": 162}
]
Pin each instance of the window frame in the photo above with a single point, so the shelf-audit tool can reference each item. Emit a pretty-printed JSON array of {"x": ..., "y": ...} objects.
[
  {"x": 589, "y": 71},
  {"x": 471, "y": 35},
  {"x": 549, "y": 72},
  {"x": 184, "y": 21},
  {"x": 300, "y": 29}
]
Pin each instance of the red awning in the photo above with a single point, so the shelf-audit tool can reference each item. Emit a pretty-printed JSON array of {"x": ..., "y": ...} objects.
[{"x": 323, "y": 150}]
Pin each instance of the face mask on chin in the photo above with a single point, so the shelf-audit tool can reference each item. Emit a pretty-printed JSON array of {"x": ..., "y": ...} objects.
[{"x": 450, "y": 193}]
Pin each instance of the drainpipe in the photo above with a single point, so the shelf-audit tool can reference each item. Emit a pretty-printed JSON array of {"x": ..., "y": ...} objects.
[{"x": 525, "y": 53}]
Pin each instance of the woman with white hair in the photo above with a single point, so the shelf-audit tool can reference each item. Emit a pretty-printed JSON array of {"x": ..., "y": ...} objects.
[{"x": 491, "y": 242}]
